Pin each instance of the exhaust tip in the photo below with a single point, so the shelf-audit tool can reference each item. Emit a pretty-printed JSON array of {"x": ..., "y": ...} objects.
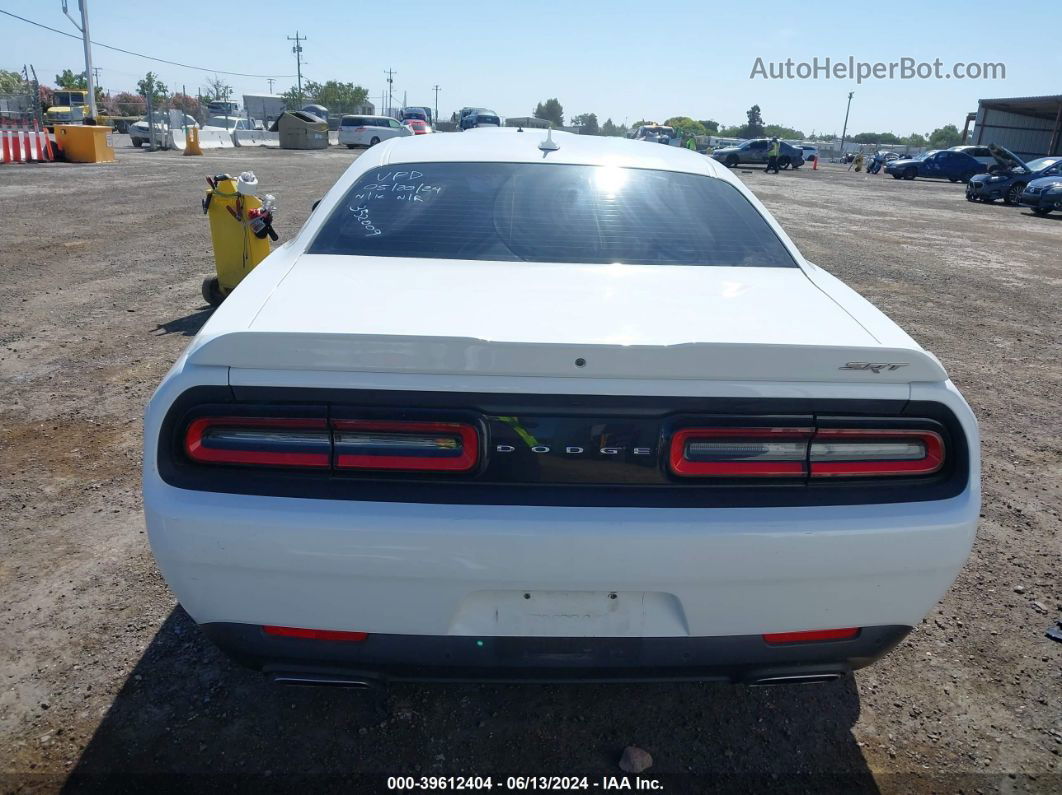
[
  {"x": 799, "y": 679},
  {"x": 322, "y": 680}
]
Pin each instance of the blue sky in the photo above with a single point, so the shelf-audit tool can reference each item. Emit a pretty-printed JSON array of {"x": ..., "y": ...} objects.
[{"x": 625, "y": 60}]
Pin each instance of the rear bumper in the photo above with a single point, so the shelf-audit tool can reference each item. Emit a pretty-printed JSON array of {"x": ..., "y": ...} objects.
[
  {"x": 463, "y": 570},
  {"x": 383, "y": 658}
]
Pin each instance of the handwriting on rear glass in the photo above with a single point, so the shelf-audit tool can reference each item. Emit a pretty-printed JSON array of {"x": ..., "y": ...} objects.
[
  {"x": 361, "y": 214},
  {"x": 398, "y": 185}
]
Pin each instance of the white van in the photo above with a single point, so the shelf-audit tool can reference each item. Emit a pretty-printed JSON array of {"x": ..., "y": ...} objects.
[{"x": 369, "y": 130}]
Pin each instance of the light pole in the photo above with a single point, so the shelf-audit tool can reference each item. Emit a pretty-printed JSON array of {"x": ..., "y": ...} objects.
[
  {"x": 436, "y": 89},
  {"x": 844, "y": 132},
  {"x": 90, "y": 76},
  {"x": 297, "y": 49}
]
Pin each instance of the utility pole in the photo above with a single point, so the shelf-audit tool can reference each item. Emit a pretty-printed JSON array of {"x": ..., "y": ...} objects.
[
  {"x": 390, "y": 91},
  {"x": 844, "y": 132},
  {"x": 90, "y": 77},
  {"x": 96, "y": 72},
  {"x": 297, "y": 49},
  {"x": 436, "y": 89},
  {"x": 270, "y": 80}
]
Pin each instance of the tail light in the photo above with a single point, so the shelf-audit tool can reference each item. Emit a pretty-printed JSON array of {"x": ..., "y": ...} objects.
[
  {"x": 341, "y": 444},
  {"x": 262, "y": 441},
  {"x": 855, "y": 452},
  {"x": 740, "y": 452},
  {"x": 805, "y": 452},
  {"x": 315, "y": 634},
  {"x": 812, "y": 636},
  {"x": 408, "y": 446}
]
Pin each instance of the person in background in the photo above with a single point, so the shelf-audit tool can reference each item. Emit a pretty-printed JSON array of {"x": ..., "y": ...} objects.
[
  {"x": 691, "y": 144},
  {"x": 773, "y": 151}
]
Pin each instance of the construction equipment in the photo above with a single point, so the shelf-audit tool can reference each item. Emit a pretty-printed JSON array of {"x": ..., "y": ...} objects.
[
  {"x": 240, "y": 224},
  {"x": 70, "y": 107}
]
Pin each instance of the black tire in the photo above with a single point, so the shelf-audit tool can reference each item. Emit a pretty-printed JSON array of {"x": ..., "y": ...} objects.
[
  {"x": 731, "y": 161},
  {"x": 897, "y": 176},
  {"x": 1013, "y": 193},
  {"x": 970, "y": 197},
  {"x": 785, "y": 161},
  {"x": 374, "y": 140},
  {"x": 910, "y": 172},
  {"x": 953, "y": 179},
  {"x": 137, "y": 142},
  {"x": 212, "y": 292},
  {"x": 350, "y": 146},
  {"x": 1040, "y": 211}
]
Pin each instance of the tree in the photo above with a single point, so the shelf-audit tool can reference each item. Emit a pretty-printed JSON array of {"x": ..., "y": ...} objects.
[
  {"x": 217, "y": 88},
  {"x": 128, "y": 104},
  {"x": 337, "y": 97},
  {"x": 876, "y": 138},
  {"x": 153, "y": 87},
  {"x": 943, "y": 137},
  {"x": 10, "y": 82},
  {"x": 914, "y": 139},
  {"x": 754, "y": 128},
  {"x": 550, "y": 110},
  {"x": 779, "y": 131},
  {"x": 613, "y": 130},
  {"x": 685, "y": 126},
  {"x": 70, "y": 80},
  {"x": 710, "y": 125},
  {"x": 587, "y": 122},
  {"x": 185, "y": 104}
]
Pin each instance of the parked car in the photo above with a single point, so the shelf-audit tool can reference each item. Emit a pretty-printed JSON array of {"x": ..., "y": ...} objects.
[
  {"x": 369, "y": 130},
  {"x": 418, "y": 126},
  {"x": 140, "y": 132},
  {"x": 810, "y": 153},
  {"x": 229, "y": 123},
  {"x": 480, "y": 118},
  {"x": 1007, "y": 179},
  {"x": 941, "y": 163},
  {"x": 655, "y": 134},
  {"x": 1043, "y": 195},
  {"x": 414, "y": 113},
  {"x": 755, "y": 151},
  {"x": 350, "y": 479},
  {"x": 982, "y": 154}
]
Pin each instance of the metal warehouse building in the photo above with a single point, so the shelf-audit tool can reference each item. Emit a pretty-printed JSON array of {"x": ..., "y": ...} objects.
[{"x": 1028, "y": 126}]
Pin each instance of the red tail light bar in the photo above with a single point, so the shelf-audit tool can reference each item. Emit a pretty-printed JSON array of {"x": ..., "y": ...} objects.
[
  {"x": 315, "y": 442},
  {"x": 409, "y": 446},
  {"x": 316, "y": 634},
  {"x": 811, "y": 636},
  {"x": 805, "y": 452}
]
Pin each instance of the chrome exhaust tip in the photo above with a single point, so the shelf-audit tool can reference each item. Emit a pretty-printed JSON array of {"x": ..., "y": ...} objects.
[
  {"x": 799, "y": 679},
  {"x": 322, "y": 680}
]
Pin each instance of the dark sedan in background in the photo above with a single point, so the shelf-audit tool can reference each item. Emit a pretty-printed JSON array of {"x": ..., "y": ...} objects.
[
  {"x": 755, "y": 151},
  {"x": 1043, "y": 195},
  {"x": 942, "y": 164},
  {"x": 1008, "y": 179}
]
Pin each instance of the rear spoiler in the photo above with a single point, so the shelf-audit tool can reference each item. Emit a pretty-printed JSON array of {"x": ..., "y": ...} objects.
[{"x": 462, "y": 355}]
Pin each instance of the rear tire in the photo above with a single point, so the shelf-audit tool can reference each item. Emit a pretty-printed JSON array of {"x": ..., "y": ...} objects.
[
  {"x": 910, "y": 173},
  {"x": 731, "y": 161},
  {"x": 137, "y": 143},
  {"x": 896, "y": 176},
  {"x": 1013, "y": 193},
  {"x": 784, "y": 161},
  {"x": 350, "y": 146},
  {"x": 374, "y": 141}
]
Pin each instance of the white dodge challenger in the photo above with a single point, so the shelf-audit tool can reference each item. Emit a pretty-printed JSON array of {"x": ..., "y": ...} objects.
[{"x": 521, "y": 407}]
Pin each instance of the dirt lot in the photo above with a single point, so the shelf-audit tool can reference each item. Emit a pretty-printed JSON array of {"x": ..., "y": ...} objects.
[{"x": 104, "y": 677}]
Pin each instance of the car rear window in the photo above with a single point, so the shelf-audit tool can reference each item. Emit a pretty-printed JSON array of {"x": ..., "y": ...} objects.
[
  {"x": 352, "y": 121},
  {"x": 537, "y": 212}
]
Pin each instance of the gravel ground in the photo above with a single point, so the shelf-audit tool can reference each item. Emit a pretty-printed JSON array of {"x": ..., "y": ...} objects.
[{"x": 107, "y": 684}]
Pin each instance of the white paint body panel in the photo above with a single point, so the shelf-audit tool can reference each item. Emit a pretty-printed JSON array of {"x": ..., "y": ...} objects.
[{"x": 424, "y": 569}]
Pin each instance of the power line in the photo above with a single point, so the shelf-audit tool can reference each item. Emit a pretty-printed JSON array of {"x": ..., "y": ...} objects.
[{"x": 137, "y": 54}]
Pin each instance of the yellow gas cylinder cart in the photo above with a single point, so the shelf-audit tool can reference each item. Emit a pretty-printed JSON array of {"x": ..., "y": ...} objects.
[{"x": 240, "y": 224}]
